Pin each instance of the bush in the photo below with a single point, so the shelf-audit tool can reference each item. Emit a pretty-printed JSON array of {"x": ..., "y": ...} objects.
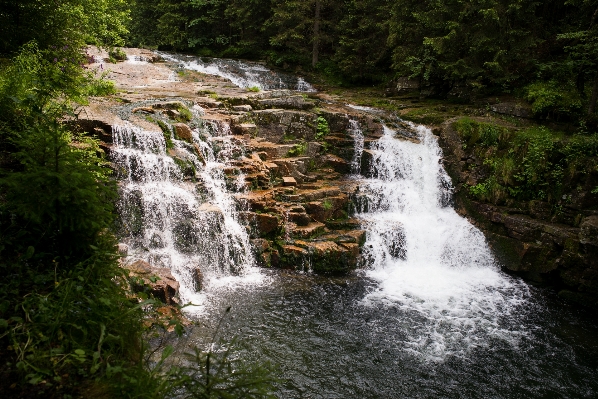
[
  {"x": 551, "y": 99},
  {"x": 117, "y": 54}
]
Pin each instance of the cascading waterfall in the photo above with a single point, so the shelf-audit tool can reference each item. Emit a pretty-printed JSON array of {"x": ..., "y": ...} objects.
[
  {"x": 181, "y": 215},
  {"x": 358, "y": 138},
  {"x": 241, "y": 74},
  {"x": 428, "y": 261}
]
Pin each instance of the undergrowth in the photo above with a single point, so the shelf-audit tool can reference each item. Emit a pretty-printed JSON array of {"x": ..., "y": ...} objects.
[{"x": 534, "y": 163}]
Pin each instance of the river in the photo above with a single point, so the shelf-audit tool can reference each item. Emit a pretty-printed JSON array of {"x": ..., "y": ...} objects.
[{"x": 431, "y": 313}]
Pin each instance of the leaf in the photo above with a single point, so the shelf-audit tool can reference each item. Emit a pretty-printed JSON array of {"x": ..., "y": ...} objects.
[{"x": 79, "y": 352}]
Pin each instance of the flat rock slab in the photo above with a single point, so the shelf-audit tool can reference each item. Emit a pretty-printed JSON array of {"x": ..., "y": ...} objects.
[{"x": 289, "y": 181}]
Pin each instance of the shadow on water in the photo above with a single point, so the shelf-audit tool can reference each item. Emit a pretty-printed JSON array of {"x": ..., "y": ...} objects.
[{"x": 327, "y": 343}]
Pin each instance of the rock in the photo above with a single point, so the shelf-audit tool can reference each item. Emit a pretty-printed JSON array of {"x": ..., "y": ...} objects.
[
  {"x": 301, "y": 219},
  {"x": 147, "y": 110},
  {"x": 243, "y": 108},
  {"x": 183, "y": 132},
  {"x": 260, "y": 245},
  {"x": 288, "y": 102},
  {"x": 289, "y": 181},
  {"x": 337, "y": 163},
  {"x": 406, "y": 85},
  {"x": 311, "y": 230},
  {"x": 159, "y": 281},
  {"x": 262, "y": 223},
  {"x": 328, "y": 257},
  {"x": 368, "y": 157},
  {"x": 245, "y": 129},
  {"x": 313, "y": 149},
  {"x": 589, "y": 230},
  {"x": 169, "y": 105},
  {"x": 513, "y": 109}
]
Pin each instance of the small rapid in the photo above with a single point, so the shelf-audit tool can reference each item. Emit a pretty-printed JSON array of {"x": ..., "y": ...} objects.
[{"x": 244, "y": 74}]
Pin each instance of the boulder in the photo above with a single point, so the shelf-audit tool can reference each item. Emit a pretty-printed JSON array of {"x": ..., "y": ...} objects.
[
  {"x": 589, "y": 230},
  {"x": 157, "y": 280}
]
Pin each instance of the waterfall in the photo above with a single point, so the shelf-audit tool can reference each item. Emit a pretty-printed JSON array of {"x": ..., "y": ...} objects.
[
  {"x": 357, "y": 133},
  {"x": 176, "y": 207},
  {"x": 426, "y": 259},
  {"x": 243, "y": 74}
]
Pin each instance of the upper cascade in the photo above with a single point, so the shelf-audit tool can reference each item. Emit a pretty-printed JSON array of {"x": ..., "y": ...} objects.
[{"x": 244, "y": 74}]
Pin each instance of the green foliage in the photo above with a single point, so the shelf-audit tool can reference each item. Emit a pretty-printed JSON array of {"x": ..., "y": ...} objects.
[
  {"x": 322, "y": 128},
  {"x": 486, "y": 134},
  {"x": 215, "y": 375},
  {"x": 69, "y": 23},
  {"x": 298, "y": 149},
  {"x": 530, "y": 164},
  {"x": 553, "y": 98},
  {"x": 117, "y": 54},
  {"x": 254, "y": 89}
]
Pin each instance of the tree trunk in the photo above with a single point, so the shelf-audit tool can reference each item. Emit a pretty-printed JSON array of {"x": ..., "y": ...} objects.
[
  {"x": 316, "y": 41},
  {"x": 594, "y": 97}
]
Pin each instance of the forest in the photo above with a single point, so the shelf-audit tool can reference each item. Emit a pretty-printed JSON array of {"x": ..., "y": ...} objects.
[
  {"x": 57, "y": 244},
  {"x": 545, "y": 51}
]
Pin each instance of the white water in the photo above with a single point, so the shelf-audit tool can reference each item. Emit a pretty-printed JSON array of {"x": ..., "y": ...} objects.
[
  {"x": 241, "y": 74},
  {"x": 171, "y": 221},
  {"x": 429, "y": 261},
  {"x": 358, "y": 138}
]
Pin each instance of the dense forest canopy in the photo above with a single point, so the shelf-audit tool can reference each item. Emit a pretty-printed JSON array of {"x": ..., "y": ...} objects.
[{"x": 547, "y": 51}]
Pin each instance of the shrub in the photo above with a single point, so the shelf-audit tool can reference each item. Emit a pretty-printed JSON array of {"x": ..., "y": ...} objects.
[
  {"x": 322, "y": 128},
  {"x": 117, "y": 54},
  {"x": 553, "y": 99}
]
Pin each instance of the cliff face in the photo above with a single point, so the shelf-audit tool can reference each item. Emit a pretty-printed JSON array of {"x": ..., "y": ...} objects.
[{"x": 560, "y": 251}]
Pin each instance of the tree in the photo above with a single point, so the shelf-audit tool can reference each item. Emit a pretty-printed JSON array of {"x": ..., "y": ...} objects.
[
  {"x": 61, "y": 23},
  {"x": 303, "y": 30},
  {"x": 362, "y": 53}
]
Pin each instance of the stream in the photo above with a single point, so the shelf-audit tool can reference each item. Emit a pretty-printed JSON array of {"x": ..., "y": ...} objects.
[{"x": 430, "y": 315}]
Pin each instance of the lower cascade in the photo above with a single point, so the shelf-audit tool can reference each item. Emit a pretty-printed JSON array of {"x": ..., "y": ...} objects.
[
  {"x": 176, "y": 211},
  {"x": 428, "y": 260}
]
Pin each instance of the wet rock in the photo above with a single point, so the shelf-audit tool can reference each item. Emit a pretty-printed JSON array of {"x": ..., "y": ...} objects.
[
  {"x": 311, "y": 230},
  {"x": 158, "y": 281},
  {"x": 329, "y": 257},
  {"x": 156, "y": 241},
  {"x": 368, "y": 158},
  {"x": 337, "y": 163},
  {"x": 287, "y": 102},
  {"x": 301, "y": 219},
  {"x": 183, "y": 132},
  {"x": 261, "y": 223},
  {"x": 245, "y": 129}
]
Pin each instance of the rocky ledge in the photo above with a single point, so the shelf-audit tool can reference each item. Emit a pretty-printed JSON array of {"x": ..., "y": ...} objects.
[{"x": 296, "y": 153}]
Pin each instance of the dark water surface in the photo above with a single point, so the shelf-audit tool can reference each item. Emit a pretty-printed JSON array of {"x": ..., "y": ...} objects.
[{"x": 326, "y": 343}]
